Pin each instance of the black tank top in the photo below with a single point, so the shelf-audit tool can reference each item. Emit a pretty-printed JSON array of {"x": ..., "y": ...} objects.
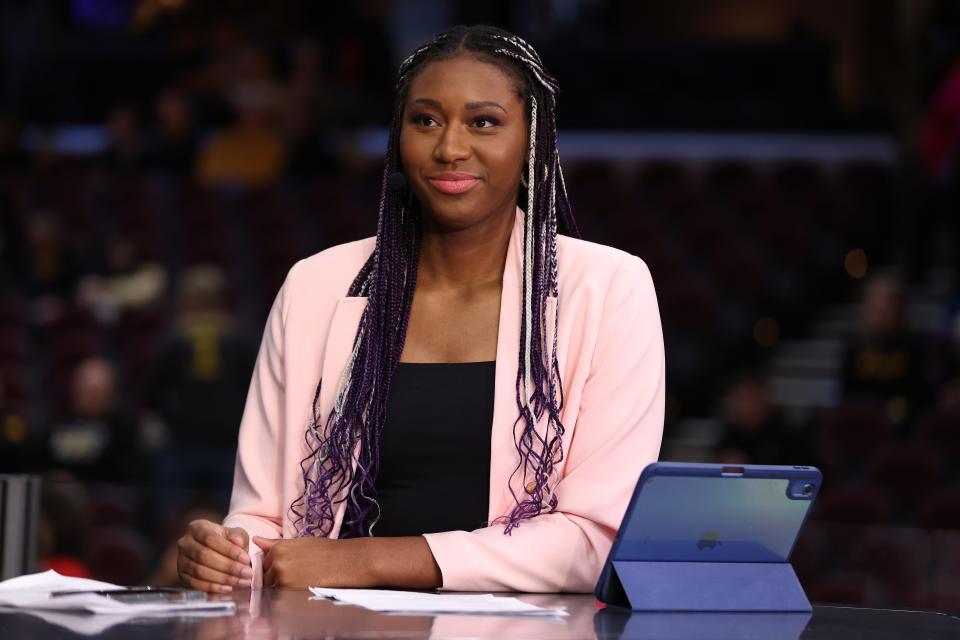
[{"x": 435, "y": 449}]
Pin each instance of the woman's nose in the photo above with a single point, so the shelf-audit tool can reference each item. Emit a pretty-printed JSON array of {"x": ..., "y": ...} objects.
[{"x": 452, "y": 145}]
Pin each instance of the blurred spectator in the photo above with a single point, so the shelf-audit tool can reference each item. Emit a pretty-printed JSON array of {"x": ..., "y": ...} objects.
[
  {"x": 306, "y": 149},
  {"x": 754, "y": 431},
  {"x": 884, "y": 364},
  {"x": 219, "y": 59},
  {"x": 94, "y": 441},
  {"x": 52, "y": 269},
  {"x": 202, "y": 375},
  {"x": 306, "y": 84},
  {"x": 309, "y": 105},
  {"x": 198, "y": 386},
  {"x": 172, "y": 147},
  {"x": 125, "y": 282},
  {"x": 64, "y": 525},
  {"x": 125, "y": 150},
  {"x": 249, "y": 153},
  {"x": 17, "y": 447},
  {"x": 360, "y": 62}
]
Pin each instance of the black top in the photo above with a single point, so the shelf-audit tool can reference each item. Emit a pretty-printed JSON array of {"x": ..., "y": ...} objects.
[{"x": 435, "y": 449}]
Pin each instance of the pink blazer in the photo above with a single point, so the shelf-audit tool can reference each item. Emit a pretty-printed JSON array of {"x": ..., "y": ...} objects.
[{"x": 612, "y": 366}]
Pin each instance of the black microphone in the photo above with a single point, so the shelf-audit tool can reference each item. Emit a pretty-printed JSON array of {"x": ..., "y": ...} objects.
[{"x": 397, "y": 182}]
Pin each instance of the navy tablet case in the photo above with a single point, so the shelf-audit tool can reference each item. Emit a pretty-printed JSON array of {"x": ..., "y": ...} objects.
[{"x": 710, "y": 537}]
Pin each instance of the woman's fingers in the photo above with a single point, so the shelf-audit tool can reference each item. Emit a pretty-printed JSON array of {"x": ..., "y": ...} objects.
[
  {"x": 205, "y": 545},
  {"x": 188, "y": 569},
  {"x": 203, "y": 585},
  {"x": 209, "y": 561},
  {"x": 205, "y": 574},
  {"x": 214, "y": 536},
  {"x": 206, "y": 556}
]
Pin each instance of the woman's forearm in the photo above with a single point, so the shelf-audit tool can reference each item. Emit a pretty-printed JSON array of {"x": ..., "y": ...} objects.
[
  {"x": 404, "y": 562},
  {"x": 352, "y": 563}
]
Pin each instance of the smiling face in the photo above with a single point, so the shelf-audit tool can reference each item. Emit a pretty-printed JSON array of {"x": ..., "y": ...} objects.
[{"x": 463, "y": 142}]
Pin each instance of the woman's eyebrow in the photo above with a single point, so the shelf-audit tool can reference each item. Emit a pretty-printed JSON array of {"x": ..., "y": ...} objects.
[
  {"x": 485, "y": 103},
  {"x": 470, "y": 106},
  {"x": 430, "y": 102}
]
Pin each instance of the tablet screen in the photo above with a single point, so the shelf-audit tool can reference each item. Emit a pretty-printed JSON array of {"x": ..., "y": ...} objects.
[{"x": 713, "y": 519}]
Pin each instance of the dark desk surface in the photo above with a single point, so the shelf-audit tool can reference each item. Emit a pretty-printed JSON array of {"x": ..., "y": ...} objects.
[{"x": 292, "y": 614}]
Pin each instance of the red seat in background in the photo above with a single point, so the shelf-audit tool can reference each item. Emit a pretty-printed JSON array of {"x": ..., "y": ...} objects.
[
  {"x": 899, "y": 557},
  {"x": 119, "y": 555},
  {"x": 13, "y": 311},
  {"x": 855, "y": 502},
  {"x": 848, "y": 587},
  {"x": 13, "y": 344},
  {"x": 943, "y": 431},
  {"x": 848, "y": 435},
  {"x": 911, "y": 471},
  {"x": 941, "y": 511}
]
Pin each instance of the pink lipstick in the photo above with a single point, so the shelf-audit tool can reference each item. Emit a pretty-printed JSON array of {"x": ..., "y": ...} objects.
[{"x": 453, "y": 183}]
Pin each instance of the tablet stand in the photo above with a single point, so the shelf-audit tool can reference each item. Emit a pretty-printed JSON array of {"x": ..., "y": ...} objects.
[{"x": 707, "y": 586}]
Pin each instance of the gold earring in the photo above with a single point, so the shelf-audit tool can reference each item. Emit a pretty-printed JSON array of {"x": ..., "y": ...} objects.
[{"x": 523, "y": 180}]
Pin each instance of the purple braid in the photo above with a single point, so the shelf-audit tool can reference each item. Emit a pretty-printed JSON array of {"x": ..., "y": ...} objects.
[{"x": 344, "y": 448}]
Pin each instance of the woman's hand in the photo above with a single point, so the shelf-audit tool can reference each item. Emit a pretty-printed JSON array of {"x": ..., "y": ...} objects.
[
  {"x": 316, "y": 562},
  {"x": 212, "y": 557}
]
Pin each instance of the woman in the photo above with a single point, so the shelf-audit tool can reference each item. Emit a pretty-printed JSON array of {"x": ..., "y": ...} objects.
[{"x": 434, "y": 344}]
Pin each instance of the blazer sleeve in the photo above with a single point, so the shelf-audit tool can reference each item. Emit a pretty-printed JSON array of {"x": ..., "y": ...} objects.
[
  {"x": 618, "y": 432},
  {"x": 255, "y": 501}
]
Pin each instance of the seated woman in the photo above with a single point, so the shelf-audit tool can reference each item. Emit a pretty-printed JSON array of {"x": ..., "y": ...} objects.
[{"x": 466, "y": 400}]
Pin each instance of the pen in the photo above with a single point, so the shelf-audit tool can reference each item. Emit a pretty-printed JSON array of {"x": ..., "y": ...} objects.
[
  {"x": 105, "y": 592},
  {"x": 186, "y": 594}
]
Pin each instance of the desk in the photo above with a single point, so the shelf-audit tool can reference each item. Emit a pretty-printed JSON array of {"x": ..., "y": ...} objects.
[{"x": 291, "y": 614}]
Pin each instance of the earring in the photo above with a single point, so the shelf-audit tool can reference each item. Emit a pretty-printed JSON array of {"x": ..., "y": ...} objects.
[{"x": 523, "y": 180}]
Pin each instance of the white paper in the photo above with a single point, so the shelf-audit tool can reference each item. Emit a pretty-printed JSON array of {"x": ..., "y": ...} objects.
[
  {"x": 33, "y": 591},
  {"x": 418, "y": 602}
]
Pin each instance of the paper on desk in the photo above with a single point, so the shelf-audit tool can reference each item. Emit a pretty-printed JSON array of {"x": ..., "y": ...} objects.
[
  {"x": 418, "y": 602},
  {"x": 32, "y": 592}
]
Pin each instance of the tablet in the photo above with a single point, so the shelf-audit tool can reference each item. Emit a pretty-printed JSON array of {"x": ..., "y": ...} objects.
[{"x": 685, "y": 512}]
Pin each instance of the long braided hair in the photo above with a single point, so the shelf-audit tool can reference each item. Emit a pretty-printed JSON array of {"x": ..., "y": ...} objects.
[{"x": 351, "y": 433}]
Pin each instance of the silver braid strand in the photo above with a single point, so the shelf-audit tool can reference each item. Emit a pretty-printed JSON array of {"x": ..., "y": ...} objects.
[{"x": 528, "y": 259}]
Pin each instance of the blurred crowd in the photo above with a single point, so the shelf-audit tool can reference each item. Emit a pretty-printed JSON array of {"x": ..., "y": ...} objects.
[{"x": 233, "y": 119}]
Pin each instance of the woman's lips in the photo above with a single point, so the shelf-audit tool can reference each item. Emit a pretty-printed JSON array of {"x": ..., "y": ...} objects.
[{"x": 459, "y": 185}]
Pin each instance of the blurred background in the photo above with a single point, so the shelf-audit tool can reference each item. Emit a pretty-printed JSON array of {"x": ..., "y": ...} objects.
[{"x": 787, "y": 168}]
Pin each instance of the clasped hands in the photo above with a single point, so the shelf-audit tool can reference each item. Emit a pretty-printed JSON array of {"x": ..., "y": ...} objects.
[{"x": 214, "y": 558}]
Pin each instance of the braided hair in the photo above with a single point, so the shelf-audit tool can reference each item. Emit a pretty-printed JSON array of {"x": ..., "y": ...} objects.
[{"x": 351, "y": 432}]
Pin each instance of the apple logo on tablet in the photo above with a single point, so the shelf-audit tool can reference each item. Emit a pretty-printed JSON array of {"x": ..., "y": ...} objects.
[{"x": 709, "y": 540}]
